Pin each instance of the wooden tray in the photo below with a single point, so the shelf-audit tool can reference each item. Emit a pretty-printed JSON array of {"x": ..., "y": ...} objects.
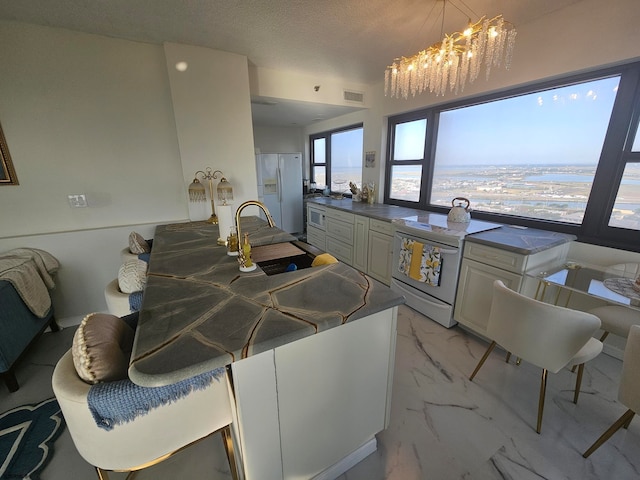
[{"x": 264, "y": 253}]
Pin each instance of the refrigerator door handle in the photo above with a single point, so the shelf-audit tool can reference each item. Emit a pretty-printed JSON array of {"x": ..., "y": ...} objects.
[{"x": 279, "y": 180}]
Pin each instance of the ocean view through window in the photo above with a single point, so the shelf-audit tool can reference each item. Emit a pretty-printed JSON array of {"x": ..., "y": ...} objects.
[
  {"x": 535, "y": 155},
  {"x": 563, "y": 155},
  {"x": 336, "y": 158}
]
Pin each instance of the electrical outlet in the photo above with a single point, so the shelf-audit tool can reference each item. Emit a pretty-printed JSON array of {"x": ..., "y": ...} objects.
[{"x": 78, "y": 201}]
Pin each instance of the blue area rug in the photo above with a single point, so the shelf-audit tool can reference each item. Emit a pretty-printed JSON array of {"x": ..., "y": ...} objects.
[{"x": 27, "y": 434}]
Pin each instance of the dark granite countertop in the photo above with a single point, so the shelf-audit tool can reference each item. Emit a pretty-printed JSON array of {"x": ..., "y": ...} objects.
[
  {"x": 200, "y": 312},
  {"x": 520, "y": 240},
  {"x": 379, "y": 211}
]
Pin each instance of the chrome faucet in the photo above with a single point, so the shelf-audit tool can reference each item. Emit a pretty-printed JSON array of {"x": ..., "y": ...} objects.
[{"x": 258, "y": 204}]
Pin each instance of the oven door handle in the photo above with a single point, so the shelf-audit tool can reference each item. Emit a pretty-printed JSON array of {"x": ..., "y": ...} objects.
[{"x": 448, "y": 252}]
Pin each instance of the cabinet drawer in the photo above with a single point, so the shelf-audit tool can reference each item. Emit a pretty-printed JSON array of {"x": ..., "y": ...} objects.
[
  {"x": 510, "y": 261},
  {"x": 341, "y": 230},
  {"x": 339, "y": 250},
  {"x": 340, "y": 215},
  {"x": 381, "y": 226},
  {"x": 316, "y": 238}
]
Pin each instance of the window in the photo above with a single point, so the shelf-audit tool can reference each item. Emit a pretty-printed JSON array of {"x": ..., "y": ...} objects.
[
  {"x": 336, "y": 158},
  {"x": 407, "y": 160},
  {"x": 545, "y": 157}
]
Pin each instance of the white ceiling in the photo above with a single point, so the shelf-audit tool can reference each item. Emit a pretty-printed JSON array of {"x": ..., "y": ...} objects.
[{"x": 349, "y": 39}]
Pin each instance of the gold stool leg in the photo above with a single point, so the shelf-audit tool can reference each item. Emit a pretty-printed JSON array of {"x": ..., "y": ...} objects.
[
  {"x": 482, "y": 360},
  {"x": 228, "y": 447},
  {"x": 578, "y": 382},
  {"x": 102, "y": 475},
  {"x": 628, "y": 422},
  {"x": 624, "y": 419},
  {"x": 543, "y": 390}
]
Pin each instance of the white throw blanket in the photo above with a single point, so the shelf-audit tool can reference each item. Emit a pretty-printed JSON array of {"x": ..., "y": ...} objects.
[{"x": 30, "y": 271}]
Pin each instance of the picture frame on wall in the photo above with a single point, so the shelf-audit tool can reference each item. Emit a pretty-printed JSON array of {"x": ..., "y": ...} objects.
[
  {"x": 370, "y": 159},
  {"x": 7, "y": 172}
]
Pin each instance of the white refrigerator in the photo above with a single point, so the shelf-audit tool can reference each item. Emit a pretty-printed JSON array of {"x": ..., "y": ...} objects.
[{"x": 280, "y": 188}]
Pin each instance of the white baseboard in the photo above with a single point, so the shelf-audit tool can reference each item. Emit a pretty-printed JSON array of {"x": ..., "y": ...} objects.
[{"x": 349, "y": 461}]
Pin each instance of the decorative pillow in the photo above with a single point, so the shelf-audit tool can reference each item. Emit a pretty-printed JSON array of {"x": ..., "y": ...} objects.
[
  {"x": 132, "y": 276},
  {"x": 101, "y": 348},
  {"x": 137, "y": 244}
]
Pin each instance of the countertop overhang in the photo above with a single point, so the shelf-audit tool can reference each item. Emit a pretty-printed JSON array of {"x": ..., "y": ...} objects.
[{"x": 200, "y": 312}]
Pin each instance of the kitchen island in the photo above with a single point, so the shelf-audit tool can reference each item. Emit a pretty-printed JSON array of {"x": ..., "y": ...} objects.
[{"x": 310, "y": 352}]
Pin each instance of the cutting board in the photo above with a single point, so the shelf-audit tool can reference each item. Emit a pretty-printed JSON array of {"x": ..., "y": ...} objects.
[{"x": 264, "y": 253}]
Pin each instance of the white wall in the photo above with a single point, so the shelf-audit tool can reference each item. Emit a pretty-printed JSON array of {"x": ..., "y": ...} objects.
[
  {"x": 278, "y": 139},
  {"x": 212, "y": 108},
  {"x": 86, "y": 114},
  {"x": 95, "y": 115}
]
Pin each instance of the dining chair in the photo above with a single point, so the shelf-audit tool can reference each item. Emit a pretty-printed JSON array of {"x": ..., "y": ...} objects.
[
  {"x": 547, "y": 336},
  {"x": 618, "y": 319},
  {"x": 629, "y": 390},
  {"x": 148, "y": 439}
]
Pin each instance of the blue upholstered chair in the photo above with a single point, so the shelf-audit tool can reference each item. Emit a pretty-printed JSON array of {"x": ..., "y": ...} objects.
[{"x": 20, "y": 328}]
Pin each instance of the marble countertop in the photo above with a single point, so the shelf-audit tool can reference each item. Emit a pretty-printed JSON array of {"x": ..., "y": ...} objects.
[
  {"x": 200, "y": 312},
  {"x": 511, "y": 238},
  {"x": 520, "y": 240},
  {"x": 379, "y": 211}
]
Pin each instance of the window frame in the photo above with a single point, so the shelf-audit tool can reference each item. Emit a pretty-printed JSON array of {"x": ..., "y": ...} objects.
[
  {"x": 326, "y": 135},
  {"x": 614, "y": 156}
]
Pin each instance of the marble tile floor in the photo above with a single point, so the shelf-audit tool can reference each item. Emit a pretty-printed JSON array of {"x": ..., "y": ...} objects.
[{"x": 442, "y": 426}]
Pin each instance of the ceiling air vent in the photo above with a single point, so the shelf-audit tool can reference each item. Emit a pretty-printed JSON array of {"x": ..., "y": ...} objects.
[{"x": 357, "y": 97}]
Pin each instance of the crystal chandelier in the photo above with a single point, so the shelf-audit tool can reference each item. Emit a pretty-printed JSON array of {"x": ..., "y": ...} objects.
[{"x": 454, "y": 61}]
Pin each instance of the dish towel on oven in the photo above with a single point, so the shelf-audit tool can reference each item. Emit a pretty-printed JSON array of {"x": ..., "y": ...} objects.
[{"x": 420, "y": 262}]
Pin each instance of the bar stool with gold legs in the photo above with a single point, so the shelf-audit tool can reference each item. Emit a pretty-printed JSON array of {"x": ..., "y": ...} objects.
[
  {"x": 150, "y": 438},
  {"x": 629, "y": 390}
]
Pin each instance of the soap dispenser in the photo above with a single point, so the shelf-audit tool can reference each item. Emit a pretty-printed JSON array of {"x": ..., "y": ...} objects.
[{"x": 244, "y": 256}]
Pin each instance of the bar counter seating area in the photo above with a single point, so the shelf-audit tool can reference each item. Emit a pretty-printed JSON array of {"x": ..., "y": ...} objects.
[{"x": 276, "y": 240}]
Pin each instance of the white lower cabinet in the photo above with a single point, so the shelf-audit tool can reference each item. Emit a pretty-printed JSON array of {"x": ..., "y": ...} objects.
[
  {"x": 316, "y": 237},
  {"x": 380, "y": 256},
  {"x": 312, "y": 408},
  {"x": 481, "y": 265},
  {"x": 339, "y": 234},
  {"x": 360, "y": 243},
  {"x": 475, "y": 290}
]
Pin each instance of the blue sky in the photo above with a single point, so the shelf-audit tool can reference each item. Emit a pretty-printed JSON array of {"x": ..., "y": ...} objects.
[{"x": 561, "y": 126}]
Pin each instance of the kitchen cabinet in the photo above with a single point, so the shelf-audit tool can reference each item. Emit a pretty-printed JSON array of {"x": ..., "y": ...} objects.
[
  {"x": 340, "y": 234},
  {"x": 360, "y": 243},
  {"x": 316, "y": 237},
  {"x": 380, "y": 250},
  {"x": 316, "y": 229},
  {"x": 481, "y": 265}
]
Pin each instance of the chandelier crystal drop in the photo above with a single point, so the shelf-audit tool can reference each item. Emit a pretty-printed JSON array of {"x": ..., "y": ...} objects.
[{"x": 457, "y": 59}]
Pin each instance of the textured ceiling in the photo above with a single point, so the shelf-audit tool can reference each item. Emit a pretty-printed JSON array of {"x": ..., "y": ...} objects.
[{"x": 350, "y": 39}]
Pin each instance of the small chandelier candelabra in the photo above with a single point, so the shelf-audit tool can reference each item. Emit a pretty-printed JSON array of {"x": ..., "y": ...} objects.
[
  {"x": 197, "y": 191},
  {"x": 451, "y": 62}
]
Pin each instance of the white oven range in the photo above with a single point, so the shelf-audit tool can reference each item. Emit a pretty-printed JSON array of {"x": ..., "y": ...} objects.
[{"x": 435, "y": 302}]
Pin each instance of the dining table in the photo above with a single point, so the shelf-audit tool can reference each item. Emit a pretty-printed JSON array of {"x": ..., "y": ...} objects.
[
  {"x": 309, "y": 353},
  {"x": 602, "y": 283}
]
